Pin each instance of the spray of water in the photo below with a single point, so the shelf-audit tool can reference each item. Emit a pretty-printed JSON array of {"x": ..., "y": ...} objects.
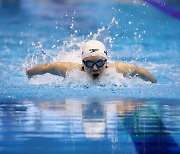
[{"x": 70, "y": 51}]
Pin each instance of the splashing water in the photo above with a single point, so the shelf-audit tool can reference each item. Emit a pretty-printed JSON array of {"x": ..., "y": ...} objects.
[
  {"x": 103, "y": 33},
  {"x": 70, "y": 51}
]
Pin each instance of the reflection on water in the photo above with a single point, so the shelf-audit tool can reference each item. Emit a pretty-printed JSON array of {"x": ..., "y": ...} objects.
[{"x": 89, "y": 125}]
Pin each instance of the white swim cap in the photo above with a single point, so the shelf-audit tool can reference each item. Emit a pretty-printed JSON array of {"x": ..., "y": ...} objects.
[{"x": 94, "y": 48}]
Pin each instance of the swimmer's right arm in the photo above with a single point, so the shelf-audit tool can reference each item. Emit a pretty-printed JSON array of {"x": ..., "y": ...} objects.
[
  {"x": 56, "y": 68},
  {"x": 134, "y": 71}
]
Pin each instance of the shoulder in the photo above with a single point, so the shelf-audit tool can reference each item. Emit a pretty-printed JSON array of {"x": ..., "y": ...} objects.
[
  {"x": 119, "y": 64},
  {"x": 121, "y": 67}
]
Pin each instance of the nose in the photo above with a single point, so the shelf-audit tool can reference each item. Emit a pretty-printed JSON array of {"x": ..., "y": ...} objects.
[{"x": 95, "y": 68}]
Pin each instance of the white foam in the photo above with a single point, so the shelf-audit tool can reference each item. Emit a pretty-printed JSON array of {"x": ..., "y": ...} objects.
[
  {"x": 77, "y": 78},
  {"x": 45, "y": 79}
]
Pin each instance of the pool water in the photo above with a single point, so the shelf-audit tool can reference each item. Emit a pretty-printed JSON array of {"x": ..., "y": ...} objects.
[
  {"x": 50, "y": 114},
  {"x": 89, "y": 126}
]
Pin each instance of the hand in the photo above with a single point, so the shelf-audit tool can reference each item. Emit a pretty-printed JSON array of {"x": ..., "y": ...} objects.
[{"x": 27, "y": 72}]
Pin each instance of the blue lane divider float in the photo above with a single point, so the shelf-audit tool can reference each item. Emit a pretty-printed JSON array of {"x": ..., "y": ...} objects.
[{"x": 165, "y": 8}]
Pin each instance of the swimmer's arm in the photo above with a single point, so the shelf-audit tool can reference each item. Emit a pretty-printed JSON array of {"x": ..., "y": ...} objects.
[
  {"x": 56, "y": 68},
  {"x": 143, "y": 74},
  {"x": 131, "y": 70}
]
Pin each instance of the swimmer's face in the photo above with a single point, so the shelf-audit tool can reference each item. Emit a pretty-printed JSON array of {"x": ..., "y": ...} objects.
[{"x": 94, "y": 66}]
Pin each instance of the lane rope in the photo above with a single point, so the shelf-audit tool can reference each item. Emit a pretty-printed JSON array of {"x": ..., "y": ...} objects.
[{"x": 165, "y": 8}]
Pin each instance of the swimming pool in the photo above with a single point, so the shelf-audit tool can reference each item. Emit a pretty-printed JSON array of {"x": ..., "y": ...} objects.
[{"x": 49, "y": 112}]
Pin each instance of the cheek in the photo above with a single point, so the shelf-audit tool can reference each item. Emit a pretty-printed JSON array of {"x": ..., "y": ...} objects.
[
  {"x": 102, "y": 69},
  {"x": 87, "y": 70}
]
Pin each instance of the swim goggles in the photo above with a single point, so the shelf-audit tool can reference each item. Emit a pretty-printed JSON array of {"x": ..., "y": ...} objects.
[{"x": 90, "y": 64}]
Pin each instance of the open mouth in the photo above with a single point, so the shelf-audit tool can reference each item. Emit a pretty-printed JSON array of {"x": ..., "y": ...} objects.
[{"x": 95, "y": 75}]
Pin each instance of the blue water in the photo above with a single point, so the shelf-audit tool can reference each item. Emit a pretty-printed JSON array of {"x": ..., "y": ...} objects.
[
  {"x": 51, "y": 114},
  {"x": 89, "y": 126}
]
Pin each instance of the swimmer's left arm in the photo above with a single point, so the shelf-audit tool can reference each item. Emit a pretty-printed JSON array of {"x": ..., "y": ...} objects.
[
  {"x": 131, "y": 70},
  {"x": 143, "y": 74}
]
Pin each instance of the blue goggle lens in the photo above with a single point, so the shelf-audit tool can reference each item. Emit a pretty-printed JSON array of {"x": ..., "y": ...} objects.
[
  {"x": 100, "y": 63},
  {"x": 90, "y": 64}
]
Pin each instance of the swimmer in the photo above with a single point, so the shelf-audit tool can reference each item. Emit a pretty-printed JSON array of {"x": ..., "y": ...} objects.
[{"x": 94, "y": 63}]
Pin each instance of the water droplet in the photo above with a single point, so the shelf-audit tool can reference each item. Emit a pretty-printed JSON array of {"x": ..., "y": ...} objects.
[
  {"x": 72, "y": 26},
  {"x": 20, "y": 42},
  {"x": 32, "y": 43}
]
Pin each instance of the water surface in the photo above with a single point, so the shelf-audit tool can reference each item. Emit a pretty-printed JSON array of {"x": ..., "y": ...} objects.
[{"x": 89, "y": 126}]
